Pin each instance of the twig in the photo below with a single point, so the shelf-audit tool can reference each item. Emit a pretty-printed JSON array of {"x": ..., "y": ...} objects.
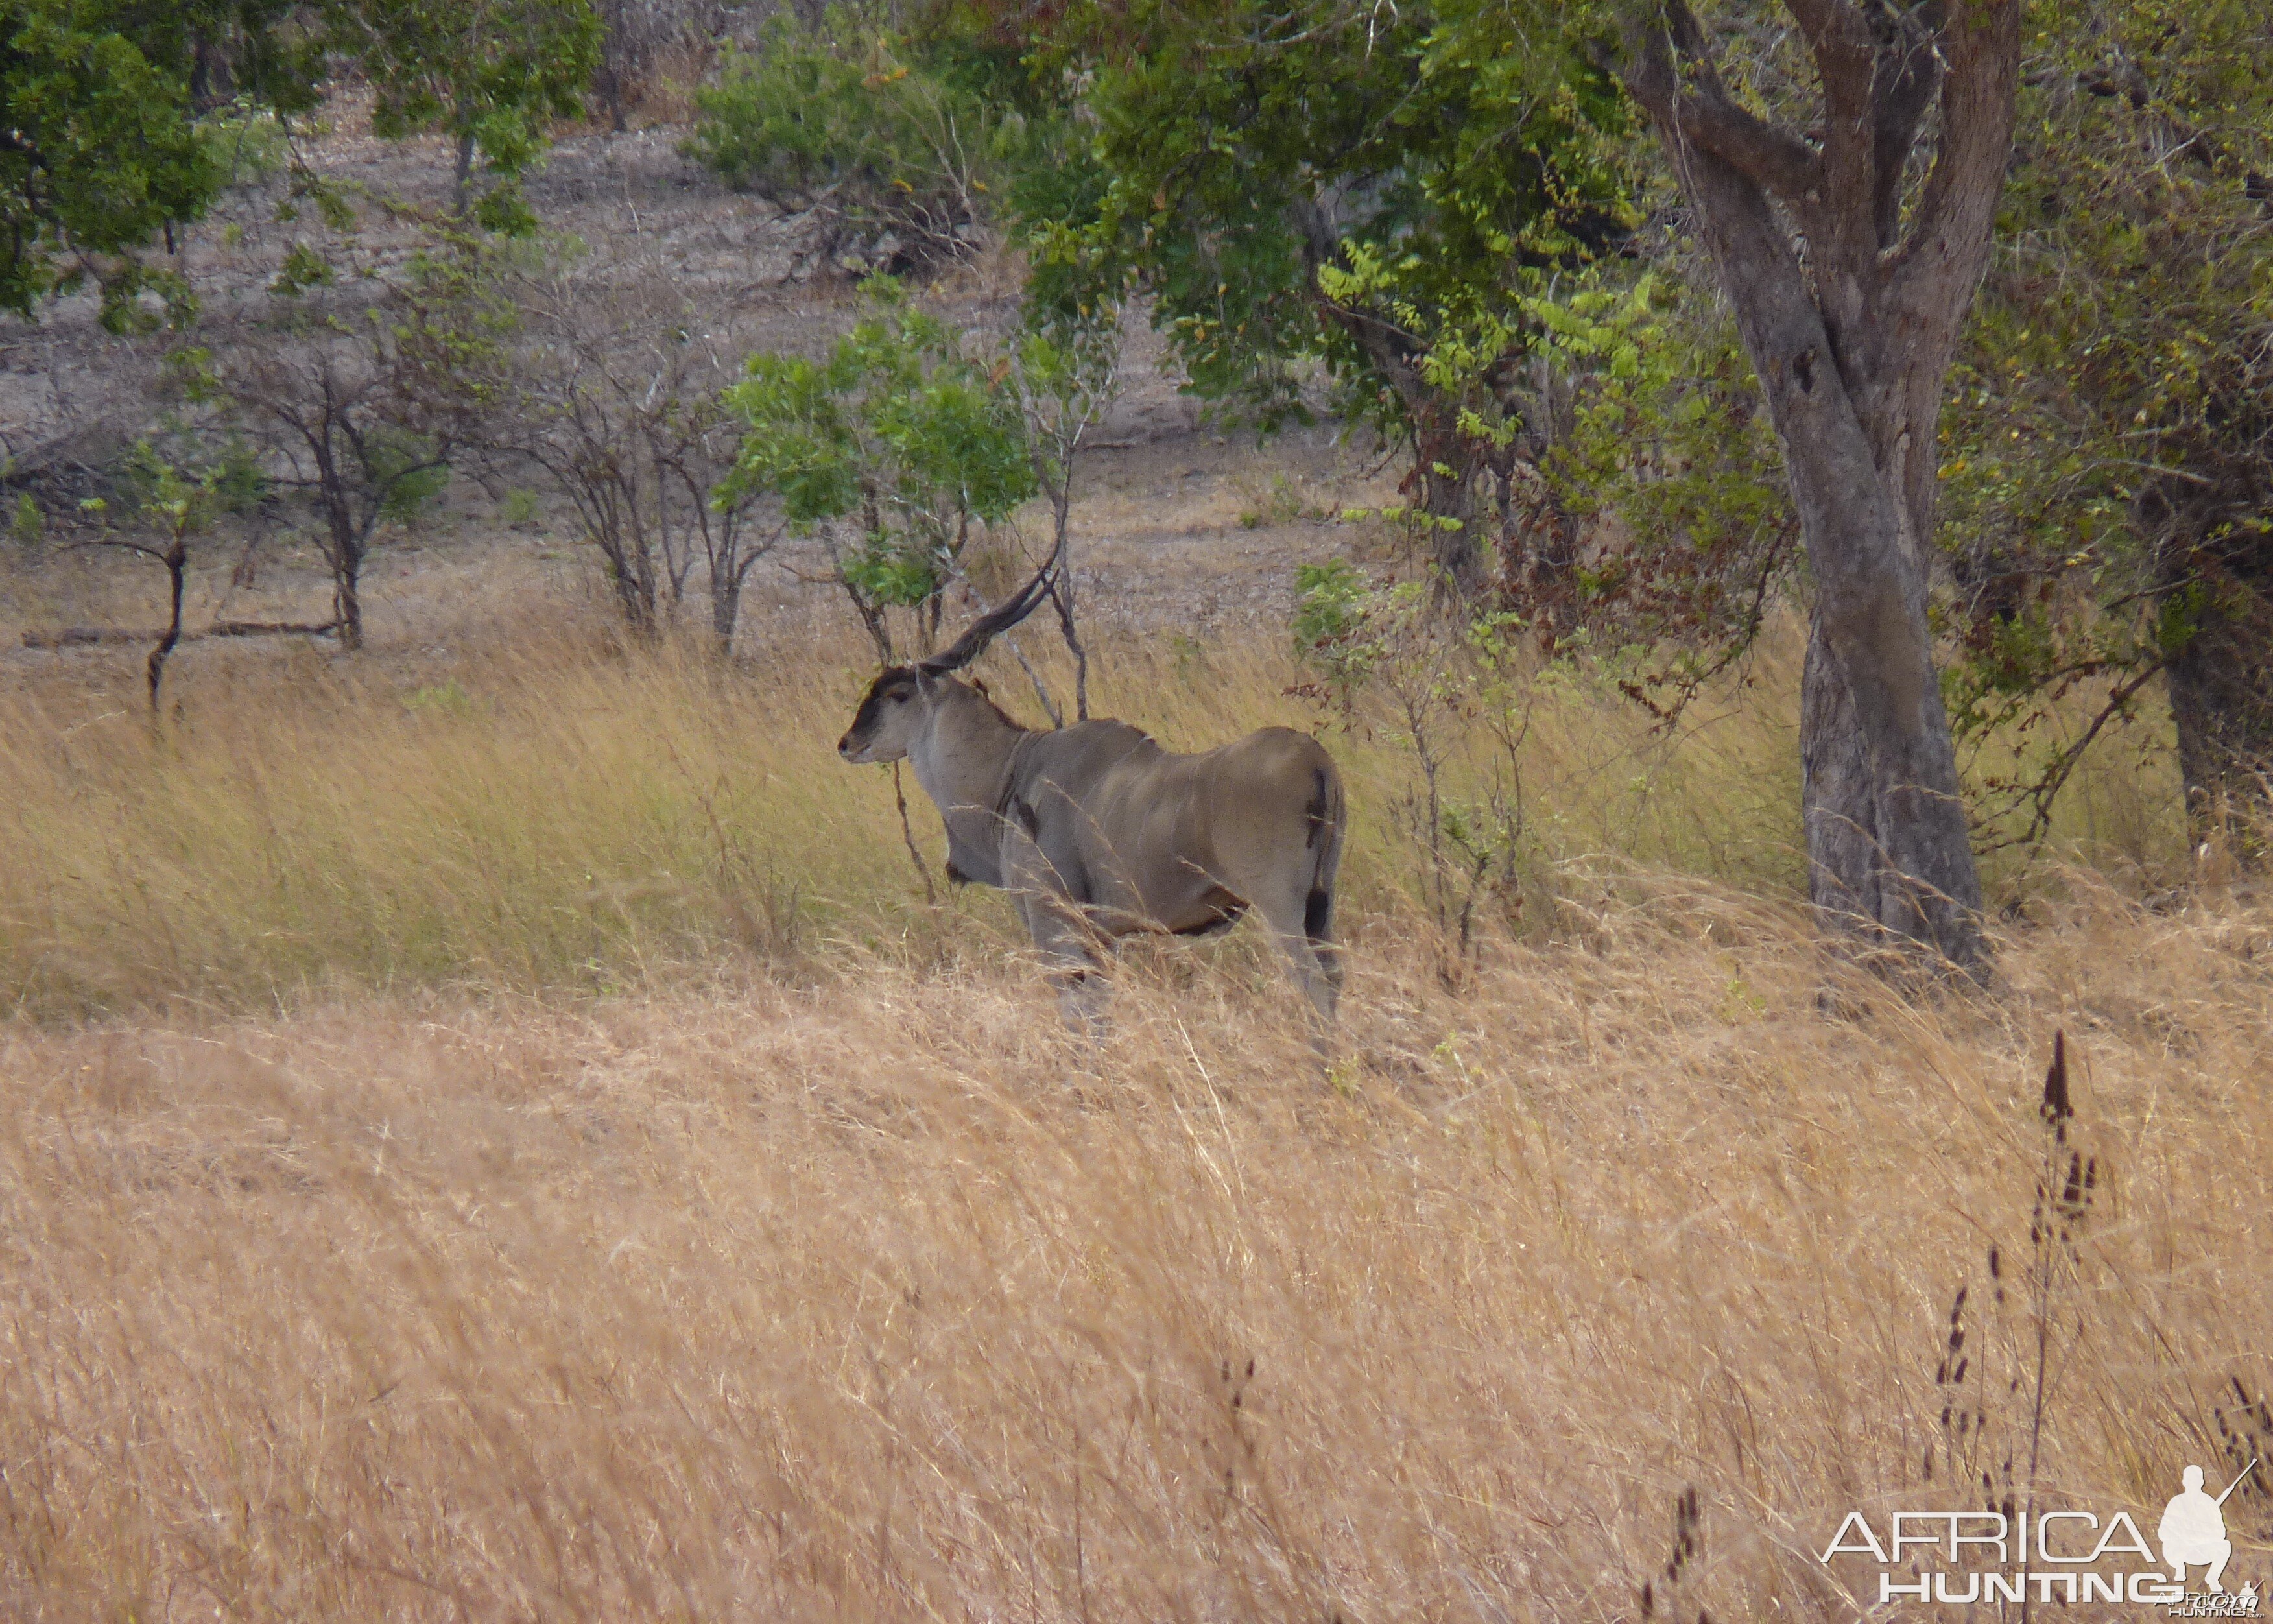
[
  {"x": 1041, "y": 693},
  {"x": 908, "y": 834}
]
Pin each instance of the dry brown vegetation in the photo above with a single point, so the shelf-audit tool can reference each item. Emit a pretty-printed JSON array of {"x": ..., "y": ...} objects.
[
  {"x": 872, "y": 1294},
  {"x": 526, "y": 814},
  {"x": 511, "y": 1142}
]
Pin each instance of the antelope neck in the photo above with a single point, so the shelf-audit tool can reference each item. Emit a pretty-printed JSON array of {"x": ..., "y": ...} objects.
[{"x": 966, "y": 759}]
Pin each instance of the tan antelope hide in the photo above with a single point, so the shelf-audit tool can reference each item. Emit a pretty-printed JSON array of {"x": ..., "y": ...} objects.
[{"x": 1100, "y": 833}]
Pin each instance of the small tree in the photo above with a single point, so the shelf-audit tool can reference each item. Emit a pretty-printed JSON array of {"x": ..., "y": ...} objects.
[
  {"x": 167, "y": 510},
  {"x": 616, "y": 394},
  {"x": 361, "y": 408},
  {"x": 1455, "y": 702},
  {"x": 490, "y": 74},
  {"x": 892, "y": 451}
]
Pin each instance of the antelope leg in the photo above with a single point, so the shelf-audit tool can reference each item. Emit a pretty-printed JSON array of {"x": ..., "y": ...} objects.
[{"x": 1060, "y": 928}]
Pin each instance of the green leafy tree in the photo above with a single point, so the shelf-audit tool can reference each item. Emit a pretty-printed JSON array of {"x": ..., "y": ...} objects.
[
  {"x": 489, "y": 74},
  {"x": 1373, "y": 191},
  {"x": 891, "y": 449},
  {"x": 1668, "y": 461},
  {"x": 168, "y": 507},
  {"x": 2110, "y": 472},
  {"x": 103, "y": 157}
]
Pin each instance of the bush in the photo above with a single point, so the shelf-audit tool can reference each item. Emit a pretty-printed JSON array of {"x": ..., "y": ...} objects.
[
  {"x": 245, "y": 143},
  {"x": 899, "y": 164},
  {"x": 895, "y": 449}
]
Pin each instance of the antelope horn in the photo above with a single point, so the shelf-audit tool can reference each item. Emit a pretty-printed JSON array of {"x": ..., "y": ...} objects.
[{"x": 995, "y": 621}]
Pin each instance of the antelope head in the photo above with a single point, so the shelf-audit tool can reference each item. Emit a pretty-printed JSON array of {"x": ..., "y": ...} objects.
[{"x": 900, "y": 703}]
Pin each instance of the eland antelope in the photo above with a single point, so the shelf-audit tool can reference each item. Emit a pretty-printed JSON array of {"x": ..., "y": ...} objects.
[{"x": 1099, "y": 833}]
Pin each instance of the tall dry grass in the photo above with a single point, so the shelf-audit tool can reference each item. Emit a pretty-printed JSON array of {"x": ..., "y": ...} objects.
[
  {"x": 554, "y": 812},
  {"x": 875, "y": 1296},
  {"x": 512, "y": 1142}
]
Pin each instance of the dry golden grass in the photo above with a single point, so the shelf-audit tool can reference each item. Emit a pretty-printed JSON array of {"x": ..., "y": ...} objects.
[
  {"x": 878, "y": 1297},
  {"x": 551, "y": 812},
  {"x": 517, "y": 1145}
]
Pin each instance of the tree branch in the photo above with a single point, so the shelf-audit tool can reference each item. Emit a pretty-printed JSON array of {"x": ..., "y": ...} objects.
[
  {"x": 1947, "y": 247},
  {"x": 1838, "y": 36},
  {"x": 1771, "y": 156},
  {"x": 1907, "y": 80}
]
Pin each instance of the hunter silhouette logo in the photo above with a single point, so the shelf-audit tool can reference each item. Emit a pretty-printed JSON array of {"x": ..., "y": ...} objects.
[{"x": 2193, "y": 1528}]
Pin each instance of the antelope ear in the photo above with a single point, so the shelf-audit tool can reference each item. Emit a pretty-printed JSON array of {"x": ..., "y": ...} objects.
[{"x": 980, "y": 684}]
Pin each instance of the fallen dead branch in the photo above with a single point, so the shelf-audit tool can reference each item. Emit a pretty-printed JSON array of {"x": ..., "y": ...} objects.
[{"x": 82, "y": 636}]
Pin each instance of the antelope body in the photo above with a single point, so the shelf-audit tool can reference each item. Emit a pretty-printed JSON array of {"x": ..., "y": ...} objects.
[{"x": 1100, "y": 833}]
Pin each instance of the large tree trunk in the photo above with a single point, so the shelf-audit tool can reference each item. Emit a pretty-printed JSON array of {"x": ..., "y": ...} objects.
[
  {"x": 1849, "y": 318},
  {"x": 2220, "y": 685},
  {"x": 1889, "y": 852}
]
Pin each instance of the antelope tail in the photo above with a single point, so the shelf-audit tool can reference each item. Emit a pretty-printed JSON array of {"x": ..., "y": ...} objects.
[{"x": 1324, "y": 815}]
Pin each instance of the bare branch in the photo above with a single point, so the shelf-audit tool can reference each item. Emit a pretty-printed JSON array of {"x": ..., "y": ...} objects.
[
  {"x": 1947, "y": 247},
  {"x": 1703, "y": 117}
]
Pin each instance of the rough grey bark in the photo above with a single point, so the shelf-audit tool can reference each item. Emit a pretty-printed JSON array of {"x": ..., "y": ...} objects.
[
  {"x": 1850, "y": 306},
  {"x": 2221, "y": 680}
]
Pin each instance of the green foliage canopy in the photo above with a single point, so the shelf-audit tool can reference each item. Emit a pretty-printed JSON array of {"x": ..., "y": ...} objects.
[
  {"x": 104, "y": 155},
  {"x": 897, "y": 434},
  {"x": 490, "y": 74},
  {"x": 928, "y": 139},
  {"x": 1373, "y": 189}
]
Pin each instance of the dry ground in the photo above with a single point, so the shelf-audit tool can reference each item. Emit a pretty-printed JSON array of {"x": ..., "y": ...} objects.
[{"x": 1179, "y": 525}]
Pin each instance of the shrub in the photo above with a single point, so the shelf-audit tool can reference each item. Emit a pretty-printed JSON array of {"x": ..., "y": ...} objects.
[
  {"x": 894, "y": 450},
  {"x": 898, "y": 163}
]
